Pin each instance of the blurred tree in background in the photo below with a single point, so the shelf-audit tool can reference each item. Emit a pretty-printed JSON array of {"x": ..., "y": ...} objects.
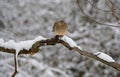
[{"x": 93, "y": 24}]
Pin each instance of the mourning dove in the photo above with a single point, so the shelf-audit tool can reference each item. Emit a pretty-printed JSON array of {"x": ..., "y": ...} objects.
[{"x": 60, "y": 28}]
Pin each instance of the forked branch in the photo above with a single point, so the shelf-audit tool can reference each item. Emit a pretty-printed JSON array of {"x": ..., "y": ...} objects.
[{"x": 53, "y": 41}]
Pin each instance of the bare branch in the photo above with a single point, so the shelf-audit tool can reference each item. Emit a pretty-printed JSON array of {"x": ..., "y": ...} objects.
[
  {"x": 94, "y": 19},
  {"x": 15, "y": 62},
  {"x": 113, "y": 4},
  {"x": 97, "y": 7},
  {"x": 113, "y": 11}
]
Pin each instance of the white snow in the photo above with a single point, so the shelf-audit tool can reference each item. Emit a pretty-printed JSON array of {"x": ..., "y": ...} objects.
[
  {"x": 104, "y": 56},
  {"x": 70, "y": 41},
  {"x": 48, "y": 71},
  {"x": 79, "y": 47},
  {"x": 1, "y": 42},
  {"x": 11, "y": 44}
]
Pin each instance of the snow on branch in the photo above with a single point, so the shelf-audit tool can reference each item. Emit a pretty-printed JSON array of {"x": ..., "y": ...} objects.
[
  {"x": 11, "y": 46},
  {"x": 104, "y": 56},
  {"x": 70, "y": 42},
  {"x": 32, "y": 46}
]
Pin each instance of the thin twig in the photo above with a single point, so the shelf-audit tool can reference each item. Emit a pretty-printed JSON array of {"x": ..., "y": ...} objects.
[
  {"x": 114, "y": 4},
  {"x": 93, "y": 19},
  {"x": 113, "y": 11},
  {"x": 97, "y": 7},
  {"x": 15, "y": 62}
]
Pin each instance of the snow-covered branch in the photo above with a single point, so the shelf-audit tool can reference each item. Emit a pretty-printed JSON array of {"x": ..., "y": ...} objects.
[
  {"x": 99, "y": 56},
  {"x": 32, "y": 47}
]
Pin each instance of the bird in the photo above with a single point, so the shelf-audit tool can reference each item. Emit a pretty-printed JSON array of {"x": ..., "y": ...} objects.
[{"x": 60, "y": 28}]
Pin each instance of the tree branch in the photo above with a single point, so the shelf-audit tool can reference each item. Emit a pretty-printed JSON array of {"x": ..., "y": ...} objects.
[
  {"x": 57, "y": 40},
  {"x": 93, "y": 18},
  {"x": 15, "y": 62}
]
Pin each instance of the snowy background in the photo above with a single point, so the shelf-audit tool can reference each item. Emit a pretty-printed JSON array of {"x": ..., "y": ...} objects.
[{"x": 26, "y": 19}]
